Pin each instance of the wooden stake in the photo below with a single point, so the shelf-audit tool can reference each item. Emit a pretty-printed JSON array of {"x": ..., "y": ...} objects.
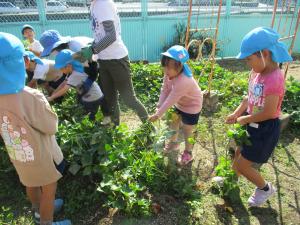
[
  {"x": 293, "y": 42},
  {"x": 187, "y": 34},
  {"x": 214, "y": 48},
  {"x": 274, "y": 13}
]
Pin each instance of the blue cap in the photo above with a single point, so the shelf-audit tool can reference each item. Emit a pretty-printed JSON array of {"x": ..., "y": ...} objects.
[
  {"x": 12, "y": 67},
  {"x": 33, "y": 57},
  {"x": 180, "y": 54},
  {"x": 262, "y": 38},
  {"x": 65, "y": 57},
  {"x": 48, "y": 39},
  {"x": 26, "y": 26}
]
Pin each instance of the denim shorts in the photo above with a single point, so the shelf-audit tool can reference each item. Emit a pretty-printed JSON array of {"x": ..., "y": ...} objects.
[
  {"x": 264, "y": 137},
  {"x": 187, "y": 118}
]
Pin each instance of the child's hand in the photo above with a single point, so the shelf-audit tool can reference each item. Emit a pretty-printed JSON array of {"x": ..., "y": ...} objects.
[
  {"x": 242, "y": 120},
  {"x": 49, "y": 99},
  {"x": 232, "y": 118},
  {"x": 153, "y": 118}
]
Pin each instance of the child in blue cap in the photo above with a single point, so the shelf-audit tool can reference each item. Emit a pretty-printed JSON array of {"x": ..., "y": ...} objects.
[
  {"x": 263, "y": 52},
  {"x": 182, "y": 91},
  {"x": 44, "y": 73},
  {"x": 29, "y": 139},
  {"x": 90, "y": 100},
  {"x": 53, "y": 42},
  {"x": 30, "y": 43}
]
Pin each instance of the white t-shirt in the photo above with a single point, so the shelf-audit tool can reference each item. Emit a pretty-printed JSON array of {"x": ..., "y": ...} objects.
[
  {"x": 36, "y": 46},
  {"x": 76, "y": 79},
  {"x": 46, "y": 71},
  {"x": 103, "y": 10}
]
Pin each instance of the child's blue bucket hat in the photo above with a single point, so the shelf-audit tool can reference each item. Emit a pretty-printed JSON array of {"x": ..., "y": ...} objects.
[
  {"x": 262, "y": 38},
  {"x": 65, "y": 57},
  {"x": 179, "y": 54},
  {"x": 48, "y": 40},
  {"x": 33, "y": 57},
  {"x": 12, "y": 67}
]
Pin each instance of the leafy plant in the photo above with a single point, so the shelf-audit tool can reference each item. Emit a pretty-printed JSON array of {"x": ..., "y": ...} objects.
[
  {"x": 239, "y": 135},
  {"x": 223, "y": 169},
  {"x": 291, "y": 101},
  {"x": 179, "y": 39}
]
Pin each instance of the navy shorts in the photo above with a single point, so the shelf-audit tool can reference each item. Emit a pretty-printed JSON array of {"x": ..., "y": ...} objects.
[
  {"x": 264, "y": 138},
  {"x": 61, "y": 167},
  {"x": 187, "y": 118}
]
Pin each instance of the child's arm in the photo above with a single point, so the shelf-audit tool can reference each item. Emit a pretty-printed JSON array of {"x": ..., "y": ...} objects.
[
  {"x": 176, "y": 93},
  {"x": 163, "y": 92},
  {"x": 32, "y": 83},
  {"x": 62, "y": 91},
  {"x": 238, "y": 112},
  {"x": 38, "y": 54},
  {"x": 268, "y": 112}
]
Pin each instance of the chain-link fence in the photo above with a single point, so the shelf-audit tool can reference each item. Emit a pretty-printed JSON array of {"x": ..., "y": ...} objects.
[{"x": 150, "y": 25}]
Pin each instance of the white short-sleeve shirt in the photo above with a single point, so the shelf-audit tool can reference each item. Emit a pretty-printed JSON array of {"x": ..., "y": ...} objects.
[
  {"x": 76, "y": 79},
  {"x": 103, "y": 10},
  {"x": 36, "y": 46}
]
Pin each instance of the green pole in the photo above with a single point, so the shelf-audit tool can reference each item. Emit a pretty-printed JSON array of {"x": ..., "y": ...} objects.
[
  {"x": 228, "y": 7},
  {"x": 144, "y": 15},
  {"x": 41, "y": 5}
]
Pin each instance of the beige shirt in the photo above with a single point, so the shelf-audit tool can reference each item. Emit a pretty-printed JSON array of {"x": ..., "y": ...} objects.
[{"x": 28, "y": 127}]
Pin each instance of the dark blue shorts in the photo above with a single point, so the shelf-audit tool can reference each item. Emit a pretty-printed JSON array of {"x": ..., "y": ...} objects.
[
  {"x": 264, "y": 138},
  {"x": 61, "y": 167},
  {"x": 187, "y": 118}
]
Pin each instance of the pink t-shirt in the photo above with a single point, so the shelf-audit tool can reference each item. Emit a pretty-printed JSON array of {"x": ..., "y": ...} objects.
[
  {"x": 261, "y": 86},
  {"x": 181, "y": 91}
]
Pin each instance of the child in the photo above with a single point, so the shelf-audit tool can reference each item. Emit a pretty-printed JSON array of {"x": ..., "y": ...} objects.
[
  {"x": 53, "y": 43},
  {"x": 43, "y": 72},
  {"x": 262, "y": 51},
  {"x": 30, "y": 43},
  {"x": 90, "y": 100},
  {"x": 29, "y": 139},
  {"x": 179, "y": 89}
]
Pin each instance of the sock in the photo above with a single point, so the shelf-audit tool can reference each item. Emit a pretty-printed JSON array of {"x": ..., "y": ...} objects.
[
  {"x": 46, "y": 222},
  {"x": 35, "y": 207},
  {"x": 265, "y": 188}
]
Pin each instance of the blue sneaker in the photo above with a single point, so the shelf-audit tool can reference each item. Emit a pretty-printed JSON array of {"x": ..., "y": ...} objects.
[
  {"x": 58, "y": 204},
  {"x": 63, "y": 222}
]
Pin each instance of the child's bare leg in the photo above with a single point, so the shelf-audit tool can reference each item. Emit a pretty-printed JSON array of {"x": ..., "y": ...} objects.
[
  {"x": 244, "y": 166},
  {"x": 34, "y": 195},
  {"x": 174, "y": 126},
  {"x": 47, "y": 202},
  {"x": 188, "y": 132},
  {"x": 236, "y": 157}
]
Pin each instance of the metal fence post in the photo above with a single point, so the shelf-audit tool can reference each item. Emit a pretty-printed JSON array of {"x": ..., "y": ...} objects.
[
  {"x": 144, "y": 14},
  {"x": 225, "y": 27},
  {"x": 228, "y": 7},
  {"x": 41, "y": 5}
]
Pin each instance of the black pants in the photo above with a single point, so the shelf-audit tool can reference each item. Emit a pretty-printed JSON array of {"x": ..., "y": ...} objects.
[
  {"x": 92, "y": 107},
  {"x": 115, "y": 77}
]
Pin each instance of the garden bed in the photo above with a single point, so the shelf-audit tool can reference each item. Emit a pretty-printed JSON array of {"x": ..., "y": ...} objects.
[{"x": 125, "y": 169}]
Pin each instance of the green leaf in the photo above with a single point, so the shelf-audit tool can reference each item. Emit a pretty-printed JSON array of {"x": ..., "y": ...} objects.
[{"x": 74, "y": 168}]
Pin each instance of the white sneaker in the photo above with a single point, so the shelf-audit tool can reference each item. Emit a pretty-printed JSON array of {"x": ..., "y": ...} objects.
[
  {"x": 259, "y": 197},
  {"x": 106, "y": 120}
]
